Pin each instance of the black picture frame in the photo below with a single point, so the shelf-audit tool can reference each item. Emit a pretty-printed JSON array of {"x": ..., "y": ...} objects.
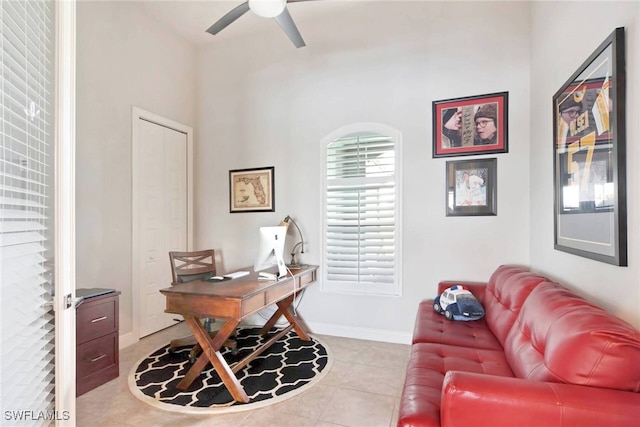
[
  {"x": 589, "y": 140},
  {"x": 471, "y": 188},
  {"x": 252, "y": 190},
  {"x": 455, "y": 132}
]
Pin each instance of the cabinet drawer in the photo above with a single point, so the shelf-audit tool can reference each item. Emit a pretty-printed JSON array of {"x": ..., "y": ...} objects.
[
  {"x": 96, "y": 318},
  {"x": 96, "y": 362}
]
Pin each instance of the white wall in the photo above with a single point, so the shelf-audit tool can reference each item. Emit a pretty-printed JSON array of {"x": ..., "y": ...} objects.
[
  {"x": 563, "y": 35},
  {"x": 123, "y": 58},
  {"x": 263, "y": 103},
  {"x": 257, "y": 101}
]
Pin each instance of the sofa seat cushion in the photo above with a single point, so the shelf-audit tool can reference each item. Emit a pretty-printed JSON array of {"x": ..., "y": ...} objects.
[
  {"x": 432, "y": 327},
  {"x": 560, "y": 337},
  {"x": 428, "y": 364}
]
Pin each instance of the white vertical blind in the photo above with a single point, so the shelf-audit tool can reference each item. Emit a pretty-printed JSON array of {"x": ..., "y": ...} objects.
[
  {"x": 26, "y": 156},
  {"x": 361, "y": 214}
]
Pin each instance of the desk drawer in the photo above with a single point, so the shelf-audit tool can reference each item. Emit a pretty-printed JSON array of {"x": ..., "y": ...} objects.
[
  {"x": 278, "y": 292},
  {"x": 96, "y": 318},
  {"x": 303, "y": 280}
]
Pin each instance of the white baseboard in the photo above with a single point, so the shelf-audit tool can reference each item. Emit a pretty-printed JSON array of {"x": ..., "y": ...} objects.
[
  {"x": 384, "y": 335},
  {"x": 126, "y": 340}
]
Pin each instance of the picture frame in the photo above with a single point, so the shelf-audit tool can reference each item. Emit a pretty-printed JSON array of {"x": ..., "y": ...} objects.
[
  {"x": 252, "y": 190},
  {"x": 471, "y": 187},
  {"x": 589, "y": 140},
  {"x": 472, "y": 125}
]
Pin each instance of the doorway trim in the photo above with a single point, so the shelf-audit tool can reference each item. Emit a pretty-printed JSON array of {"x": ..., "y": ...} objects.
[
  {"x": 64, "y": 213},
  {"x": 138, "y": 114}
]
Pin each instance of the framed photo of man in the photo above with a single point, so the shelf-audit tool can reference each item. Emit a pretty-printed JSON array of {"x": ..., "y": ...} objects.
[
  {"x": 471, "y": 125},
  {"x": 590, "y": 215},
  {"x": 471, "y": 187}
]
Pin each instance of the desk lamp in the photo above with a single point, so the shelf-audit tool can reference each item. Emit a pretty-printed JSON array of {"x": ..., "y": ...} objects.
[{"x": 294, "y": 262}]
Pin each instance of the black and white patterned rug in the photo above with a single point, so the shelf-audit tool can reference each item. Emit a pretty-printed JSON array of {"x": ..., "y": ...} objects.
[{"x": 286, "y": 369}]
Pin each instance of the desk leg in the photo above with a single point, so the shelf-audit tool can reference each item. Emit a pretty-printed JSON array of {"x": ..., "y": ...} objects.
[
  {"x": 211, "y": 353},
  {"x": 283, "y": 310},
  {"x": 275, "y": 316}
]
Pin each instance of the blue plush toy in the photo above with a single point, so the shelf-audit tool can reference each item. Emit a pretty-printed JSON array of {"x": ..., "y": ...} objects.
[{"x": 458, "y": 303}]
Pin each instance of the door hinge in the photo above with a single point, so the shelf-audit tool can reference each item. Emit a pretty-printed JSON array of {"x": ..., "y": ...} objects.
[{"x": 68, "y": 301}]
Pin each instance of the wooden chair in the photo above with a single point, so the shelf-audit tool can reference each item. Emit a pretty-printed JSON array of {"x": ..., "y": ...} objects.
[{"x": 186, "y": 267}]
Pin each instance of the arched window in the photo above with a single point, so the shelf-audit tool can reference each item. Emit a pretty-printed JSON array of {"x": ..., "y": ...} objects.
[{"x": 361, "y": 210}]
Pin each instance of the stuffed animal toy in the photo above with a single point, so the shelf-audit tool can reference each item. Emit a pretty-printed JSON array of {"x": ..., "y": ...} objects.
[{"x": 458, "y": 303}]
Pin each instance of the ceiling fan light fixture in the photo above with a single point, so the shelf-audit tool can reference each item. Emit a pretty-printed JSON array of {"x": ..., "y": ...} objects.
[{"x": 267, "y": 8}]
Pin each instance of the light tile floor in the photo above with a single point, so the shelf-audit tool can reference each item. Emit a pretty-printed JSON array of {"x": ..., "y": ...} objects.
[{"x": 362, "y": 389}]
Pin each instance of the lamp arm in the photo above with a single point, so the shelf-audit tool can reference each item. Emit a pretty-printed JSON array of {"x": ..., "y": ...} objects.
[
  {"x": 293, "y": 250},
  {"x": 301, "y": 242}
]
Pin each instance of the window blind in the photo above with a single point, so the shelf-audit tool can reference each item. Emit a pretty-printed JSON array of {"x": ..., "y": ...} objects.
[
  {"x": 26, "y": 202},
  {"x": 360, "y": 213}
]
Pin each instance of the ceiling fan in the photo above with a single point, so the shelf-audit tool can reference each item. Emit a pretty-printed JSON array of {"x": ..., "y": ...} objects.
[{"x": 276, "y": 9}]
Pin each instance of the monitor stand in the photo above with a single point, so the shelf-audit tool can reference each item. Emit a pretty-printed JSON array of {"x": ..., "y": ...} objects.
[{"x": 282, "y": 269}]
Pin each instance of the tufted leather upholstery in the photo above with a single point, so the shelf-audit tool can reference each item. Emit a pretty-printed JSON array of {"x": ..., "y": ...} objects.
[
  {"x": 506, "y": 292},
  {"x": 560, "y": 337},
  {"x": 432, "y": 327},
  {"x": 428, "y": 364},
  {"x": 541, "y": 356},
  {"x": 502, "y": 298},
  {"x": 470, "y": 399}
]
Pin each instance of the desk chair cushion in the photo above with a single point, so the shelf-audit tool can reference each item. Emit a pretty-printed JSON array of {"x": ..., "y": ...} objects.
[{"x": 192, "y": 277}]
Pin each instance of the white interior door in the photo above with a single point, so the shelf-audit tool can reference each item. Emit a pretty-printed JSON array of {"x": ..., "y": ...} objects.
[{"x": 163, "y": 217}]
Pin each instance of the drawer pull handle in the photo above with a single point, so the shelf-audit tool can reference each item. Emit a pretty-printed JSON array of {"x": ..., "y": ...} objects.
[
  {"x": 95, "y": 359},
  {"x": 98, "y": 319}
]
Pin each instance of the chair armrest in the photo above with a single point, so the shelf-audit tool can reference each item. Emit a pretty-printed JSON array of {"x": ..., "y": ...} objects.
[
  {"x": 486, "y": 400},
  {"x": 476, "y": 288}
]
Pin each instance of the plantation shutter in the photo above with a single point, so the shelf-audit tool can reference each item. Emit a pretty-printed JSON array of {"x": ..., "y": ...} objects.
[
  {"x": 360, "y": 213},
  {"x": 26, "y": 202}
]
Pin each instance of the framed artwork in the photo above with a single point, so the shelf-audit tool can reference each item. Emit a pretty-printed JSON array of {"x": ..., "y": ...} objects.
[
  {"x": 251, "y": 190},
  {"x": 471, "y": 187},
  {"x": 471, "y": 125},
  {"x": 590, "y": 214}
]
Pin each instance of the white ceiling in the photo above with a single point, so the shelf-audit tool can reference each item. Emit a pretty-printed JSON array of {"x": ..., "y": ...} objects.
[{"x": 190, "y": 19}]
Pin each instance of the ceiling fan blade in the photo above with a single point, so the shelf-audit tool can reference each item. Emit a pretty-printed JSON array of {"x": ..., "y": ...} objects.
[
  {"x": 227, "y": 19},
  {"x": 289, "y": 27}
]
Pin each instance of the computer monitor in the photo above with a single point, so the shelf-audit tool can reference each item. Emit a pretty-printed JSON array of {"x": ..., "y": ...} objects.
[{"x": 271, "y": 249}]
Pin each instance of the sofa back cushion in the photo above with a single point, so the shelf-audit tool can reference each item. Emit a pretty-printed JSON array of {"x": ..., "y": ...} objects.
[
  {"x": 560, "y": 337},
  {"x": 506, "y": 291}
]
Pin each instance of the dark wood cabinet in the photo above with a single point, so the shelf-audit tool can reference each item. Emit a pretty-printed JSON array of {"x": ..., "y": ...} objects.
[{"x": 96, "y": 342}]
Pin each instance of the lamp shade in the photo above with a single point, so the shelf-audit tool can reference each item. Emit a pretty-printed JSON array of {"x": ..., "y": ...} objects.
[{"x": 267, "y": 8}]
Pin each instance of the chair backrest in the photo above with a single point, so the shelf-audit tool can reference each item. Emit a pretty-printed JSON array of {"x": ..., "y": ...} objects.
[{"x": 194, "y": 265}]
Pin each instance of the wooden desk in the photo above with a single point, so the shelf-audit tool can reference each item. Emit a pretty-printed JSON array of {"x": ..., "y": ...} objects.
[{"x": 234, "y": 300}]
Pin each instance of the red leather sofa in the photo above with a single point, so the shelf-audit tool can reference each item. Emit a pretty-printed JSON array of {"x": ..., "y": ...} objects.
[{"x": 541, "y": 356}]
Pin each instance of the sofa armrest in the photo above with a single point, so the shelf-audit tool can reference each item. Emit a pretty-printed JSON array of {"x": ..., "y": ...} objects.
[
  {"x": 476, "y": 288},
  {"x": 478, "y": 400}
]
